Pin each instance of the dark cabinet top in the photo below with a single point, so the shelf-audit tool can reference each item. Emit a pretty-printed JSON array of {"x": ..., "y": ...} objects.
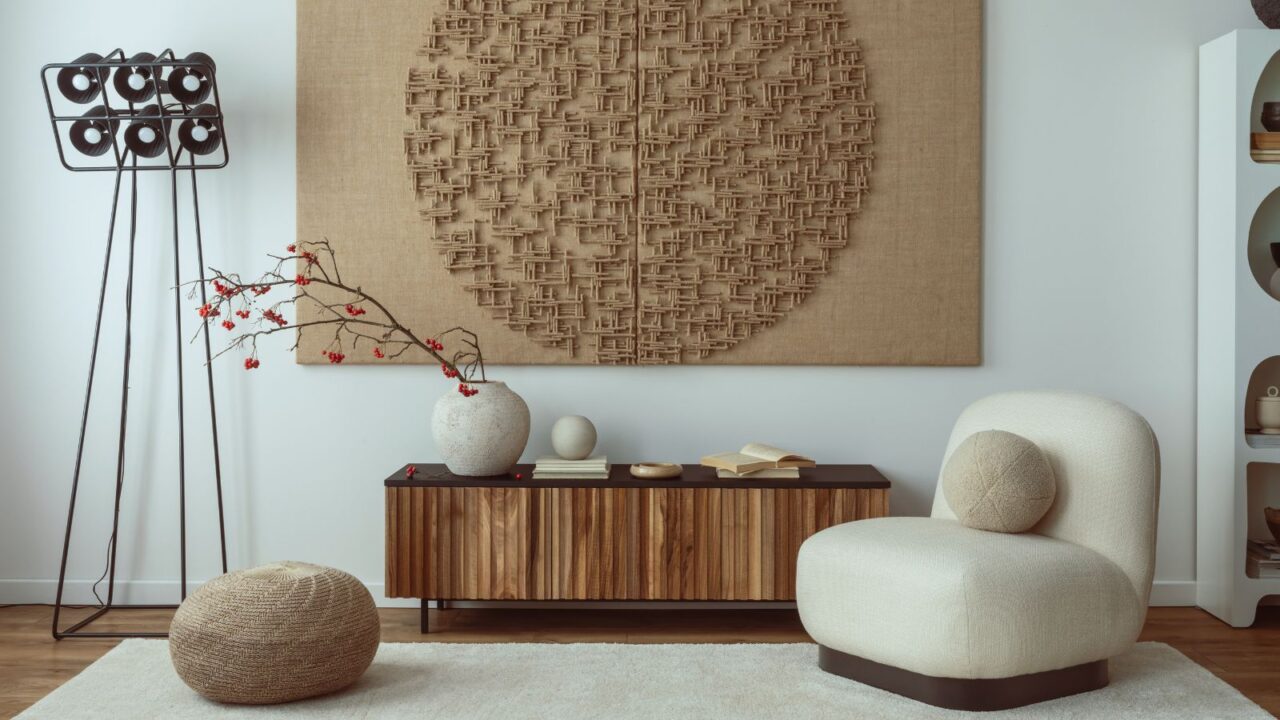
[{"x": 694, "y": 476}]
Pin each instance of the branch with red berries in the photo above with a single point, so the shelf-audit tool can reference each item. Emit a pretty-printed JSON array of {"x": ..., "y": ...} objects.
[{"x": 343, "y": 308}]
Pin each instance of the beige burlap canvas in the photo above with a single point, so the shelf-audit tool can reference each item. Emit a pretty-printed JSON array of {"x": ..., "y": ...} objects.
[{"x": 651, "y": 181}]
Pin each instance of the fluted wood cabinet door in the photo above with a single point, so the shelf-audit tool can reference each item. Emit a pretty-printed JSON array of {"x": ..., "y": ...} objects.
[{"x": 608, "y": 543}]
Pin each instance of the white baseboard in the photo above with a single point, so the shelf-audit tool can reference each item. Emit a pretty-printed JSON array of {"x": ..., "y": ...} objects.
[
  {"x": 1173, "y": 593},
  {"x": 1164, "y": 593}
]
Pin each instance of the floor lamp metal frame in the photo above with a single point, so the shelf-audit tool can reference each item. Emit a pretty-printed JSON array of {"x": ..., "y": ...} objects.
[{"x": 127, "y": 162}]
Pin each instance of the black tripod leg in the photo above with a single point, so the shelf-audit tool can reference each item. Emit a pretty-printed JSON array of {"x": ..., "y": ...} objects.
[
  {"x": 208, "y": 369},
  {"x": 124, "y": 386},
  {"x": 84, "y": 417},
  {"x": 182, "y": 443}
]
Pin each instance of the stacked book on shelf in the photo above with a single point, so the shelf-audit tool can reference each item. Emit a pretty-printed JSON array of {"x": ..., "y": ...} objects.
[
  {"x": 757, "y": 461},
  {"x": 1263, "y": 560},
  {"x": 557, "y": 468},
  {"x": 1265, "y": 147}
]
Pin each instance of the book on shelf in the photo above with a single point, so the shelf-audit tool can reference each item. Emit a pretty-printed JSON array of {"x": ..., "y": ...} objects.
[
  {"x": 1265, "y": 141},
  {"x": 766, "y": 474},
  {"x": 757, "y": 456},
  {"x": 1265, "y": 550},
  {"x": 556, "y": 468},
  {"x": 1259, "y": 439},
  {"x": 1265, "y": 155},
  {"x": 1255, "y": 566}
]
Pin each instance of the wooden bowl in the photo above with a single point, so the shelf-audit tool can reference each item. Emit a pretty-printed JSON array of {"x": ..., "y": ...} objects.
[
  {"x": 1273, "y": 521},
  {"x": 656, "y": 471}
]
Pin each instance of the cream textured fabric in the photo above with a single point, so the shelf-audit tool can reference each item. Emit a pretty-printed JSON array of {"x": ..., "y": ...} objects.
[
  {"x": 998, "y": 481},
  {"x": 941, "y": 599},
  {"x": 934, "y": 597},
  {"x": 598, "y": 681},
  {"x": 1106, "y": 463},
  {"x": 273, "y": 634}
]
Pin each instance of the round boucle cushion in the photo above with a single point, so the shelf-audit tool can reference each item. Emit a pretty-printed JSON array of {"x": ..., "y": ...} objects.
[
  {"x": 996, "y": 480},
  {"x": 273, "y": 634}
]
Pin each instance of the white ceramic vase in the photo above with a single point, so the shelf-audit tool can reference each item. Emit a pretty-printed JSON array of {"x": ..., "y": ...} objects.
[{"x": 481, "y": 435}]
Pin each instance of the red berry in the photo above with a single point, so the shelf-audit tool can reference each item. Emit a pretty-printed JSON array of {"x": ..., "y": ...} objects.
[
  {"x": 519, "y": 476},
  {"x": 410, "y": 471},
  {"x": 291, "y": 248},
  {"x": 228, "y": 325},
  {"x": 377, "y": 352},
  {"x": 302, "y": 280}
]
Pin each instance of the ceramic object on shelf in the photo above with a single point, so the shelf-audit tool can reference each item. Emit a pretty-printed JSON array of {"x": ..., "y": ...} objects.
[
  {"x": 1271, "y": 116},
  {"x": 1273, "y": 521},
  {"x": 1268, "y": 11},
  {"x": 573, "y": 437},
  {"x": 482, "y": 435},
  {"x": 656, "y": 471},
  {"x": 1269, "y": 411}
]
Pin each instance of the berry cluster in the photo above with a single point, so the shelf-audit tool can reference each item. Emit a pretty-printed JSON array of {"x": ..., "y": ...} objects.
[
  {"x": 260, "y": 289},
  {"x": 377, "y": 352},
  {"x": 334, "y": 357},
  {"x": 226, "y": 291},
  {"x": 291, "y": 248},
  {"x": 302, "y": 280},
  {"x": 251, "y": 363},
  {"x": 310, "y": 257},
  {"x": 449, "y": 372},
  {"x": 274, "y": 317},
  {"x": 242, "y": 314},
  {"x": 207, "y": 311},
  {"x": 434, "y": 344},
  {"x": 466, "y": 390},
  {"x": 410, "y": 471},
  {"x": 354, "y": 311},
  {"x": 228, "y": 325}
]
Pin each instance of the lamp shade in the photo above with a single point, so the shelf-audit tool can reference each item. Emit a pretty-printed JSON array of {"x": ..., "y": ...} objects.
[
  {"x": 134, "y": 79},
  {"x": 146, "y": 135},
  {"x": 201, "y": 136},
  {"x": 91, "y": 135},
  {"x": 81, "y": 84},
  {"x": 191, "y": 84}
]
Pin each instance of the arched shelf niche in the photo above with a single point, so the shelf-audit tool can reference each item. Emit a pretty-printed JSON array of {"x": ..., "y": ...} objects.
[{"x": 1264, "y": 245}]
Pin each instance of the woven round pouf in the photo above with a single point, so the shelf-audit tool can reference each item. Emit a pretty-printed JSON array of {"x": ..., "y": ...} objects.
[{"x": 273, "y": 634}]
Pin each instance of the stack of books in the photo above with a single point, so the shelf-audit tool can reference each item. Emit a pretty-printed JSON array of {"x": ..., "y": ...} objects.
[
  {"x": 1265, "y": 147},
  {"x": 1263, "y": 560},
  {"x": 557, "y": 468},
  {"x": 758, "y": 461}
]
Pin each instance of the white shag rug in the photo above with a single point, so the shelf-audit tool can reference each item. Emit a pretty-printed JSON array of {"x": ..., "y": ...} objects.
[{"x": 447, "y": 681}]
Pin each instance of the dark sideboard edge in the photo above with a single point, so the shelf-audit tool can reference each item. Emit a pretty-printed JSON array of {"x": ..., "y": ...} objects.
[{"x": 856, "y": 477}]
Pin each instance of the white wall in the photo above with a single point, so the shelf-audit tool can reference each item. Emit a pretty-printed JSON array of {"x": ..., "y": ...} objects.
[{"x": 1089, "y": 284}]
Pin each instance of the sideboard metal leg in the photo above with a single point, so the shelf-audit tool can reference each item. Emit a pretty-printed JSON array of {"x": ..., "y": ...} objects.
[{"x": 423, "y": 626}]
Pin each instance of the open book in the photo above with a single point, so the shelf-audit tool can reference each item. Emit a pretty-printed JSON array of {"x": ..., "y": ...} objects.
[{"x": 757, "y": 456}]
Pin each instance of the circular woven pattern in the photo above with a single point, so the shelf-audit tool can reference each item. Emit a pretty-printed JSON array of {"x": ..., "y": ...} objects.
[
  {"x": 646, "y": 183},
  {"x": 275, "y": 633},
  {"x": 996, "y": 480}
]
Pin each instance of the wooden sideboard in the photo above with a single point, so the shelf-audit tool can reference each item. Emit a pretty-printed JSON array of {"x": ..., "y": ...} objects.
[{"x": 693, "y": 538}]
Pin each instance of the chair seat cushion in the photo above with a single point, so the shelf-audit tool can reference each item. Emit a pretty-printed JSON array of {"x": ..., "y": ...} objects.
[{"x": 937, "y": 598}]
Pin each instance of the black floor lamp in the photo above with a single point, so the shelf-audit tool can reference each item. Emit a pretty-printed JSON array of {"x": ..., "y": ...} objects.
[{"x": 144, "y": 113}]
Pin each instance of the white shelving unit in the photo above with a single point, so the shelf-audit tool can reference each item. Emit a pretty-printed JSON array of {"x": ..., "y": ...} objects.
[{"x": 1239, "y": 320}]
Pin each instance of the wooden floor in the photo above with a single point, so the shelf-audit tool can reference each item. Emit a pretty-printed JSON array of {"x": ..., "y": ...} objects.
[{"x": 32, "y": 664}]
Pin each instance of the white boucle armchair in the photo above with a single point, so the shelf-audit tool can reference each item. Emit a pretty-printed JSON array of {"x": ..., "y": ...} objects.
[{"x": 977, "y": 620}]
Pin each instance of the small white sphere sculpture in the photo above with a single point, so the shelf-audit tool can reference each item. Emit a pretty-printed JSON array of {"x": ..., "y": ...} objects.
[{"x": 573, "y": 437}]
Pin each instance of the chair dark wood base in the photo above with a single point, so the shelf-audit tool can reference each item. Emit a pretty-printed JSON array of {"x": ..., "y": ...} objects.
[{"x": 961, "y": 694}]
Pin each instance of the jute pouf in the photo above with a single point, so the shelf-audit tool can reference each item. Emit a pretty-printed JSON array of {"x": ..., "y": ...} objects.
[{"x": 273, "y": 634}]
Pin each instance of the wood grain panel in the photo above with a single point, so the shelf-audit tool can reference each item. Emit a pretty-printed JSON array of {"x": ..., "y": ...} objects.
[{"x": 593, "y": 543}]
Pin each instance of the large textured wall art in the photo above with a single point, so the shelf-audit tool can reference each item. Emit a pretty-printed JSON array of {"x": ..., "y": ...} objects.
[{"x": 653, "y": 181}]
